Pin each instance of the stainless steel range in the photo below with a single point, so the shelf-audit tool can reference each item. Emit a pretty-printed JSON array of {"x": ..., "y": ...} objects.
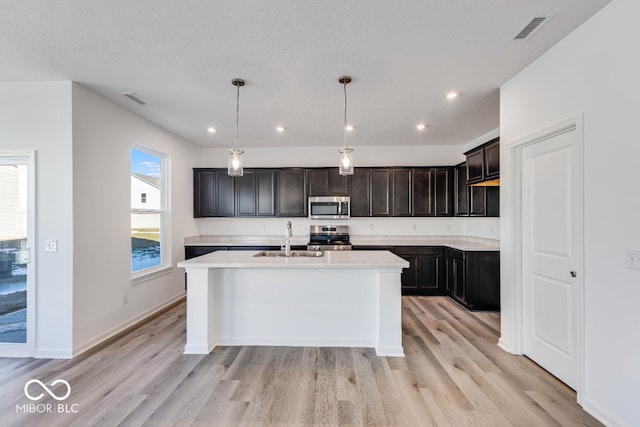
[{"x": 329, "y": 238}]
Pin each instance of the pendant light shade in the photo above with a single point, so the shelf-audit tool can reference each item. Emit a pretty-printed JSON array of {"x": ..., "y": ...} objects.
[
  {"x": 345, "y": 154},
  {"x": 236, "y": 161}
]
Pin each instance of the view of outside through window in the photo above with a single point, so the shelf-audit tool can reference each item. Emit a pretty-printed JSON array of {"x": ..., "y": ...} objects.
[
  {"x": 13, "y": 239},
  {"x": 147, "y": 212}
]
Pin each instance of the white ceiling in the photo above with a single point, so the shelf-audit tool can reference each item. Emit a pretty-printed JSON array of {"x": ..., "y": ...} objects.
[{"x": 180, "y": 57}]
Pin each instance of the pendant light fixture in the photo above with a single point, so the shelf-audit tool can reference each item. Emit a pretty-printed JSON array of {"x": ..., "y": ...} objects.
[
  {"x": 346, "y": 153},
  {"x": 235, "y": 164}
]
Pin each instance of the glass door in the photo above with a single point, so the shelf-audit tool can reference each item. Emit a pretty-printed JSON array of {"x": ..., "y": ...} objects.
[{"x": 15, "y": 256}]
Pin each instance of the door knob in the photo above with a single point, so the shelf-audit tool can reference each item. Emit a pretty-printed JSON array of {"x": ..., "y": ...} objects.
[{"x": 573, "y": 274}]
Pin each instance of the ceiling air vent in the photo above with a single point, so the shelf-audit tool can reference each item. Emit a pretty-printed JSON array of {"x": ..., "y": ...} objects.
[
  {"x": 531, "y": 27},
  {"x": 132, "y": 96}
]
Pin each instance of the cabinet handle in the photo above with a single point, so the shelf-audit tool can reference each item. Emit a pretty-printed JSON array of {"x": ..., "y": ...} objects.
[{"x": 573, "y": 274}]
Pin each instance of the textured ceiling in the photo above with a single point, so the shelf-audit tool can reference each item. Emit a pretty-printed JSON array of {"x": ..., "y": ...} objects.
[{"x": 180, "y": 57}]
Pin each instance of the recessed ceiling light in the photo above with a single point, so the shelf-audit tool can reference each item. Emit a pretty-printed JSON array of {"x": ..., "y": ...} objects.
[
  {"x": 421, "y": 126},
  {"x": 452, "y": 94},
  {"x": 349, "y": 128},
  {"x": 280, "y": 128},
  {"x": 211, "y": 130}
]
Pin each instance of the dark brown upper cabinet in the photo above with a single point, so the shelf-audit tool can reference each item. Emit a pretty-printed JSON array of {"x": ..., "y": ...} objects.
[
  {"x": 483, "y": 162},
  {"x": 472, "y": 200},
  {"x": 204, "y": 181},
  {"x": 213, "y": 193},
  {"x": 291, "y": 192},
  {"x": 381, "y": 189},
  {"x": 492, "y": 160},
  {"x": 461, "y": 198},
  {"x": 255, "y": 193},
  {"x": 327, "y": 182},
  {"x": 401, "y": 192},
  {"x": 216, "y": 194},
  {"x": 360, "y": 192},
  {"x": 423, "y": 192},
  {"x": 443, "y": 191}
]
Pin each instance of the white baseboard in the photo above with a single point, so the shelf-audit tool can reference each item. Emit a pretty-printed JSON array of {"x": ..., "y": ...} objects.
[
  {"x": 601, "y": 415},
  {"x": 78, "y": 350},
  {"x": 53, "y": 353}
]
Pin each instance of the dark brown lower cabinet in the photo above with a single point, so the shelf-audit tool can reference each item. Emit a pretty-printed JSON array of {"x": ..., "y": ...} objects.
[
  {"x": 473, "y": 278},
  {"x": 425, "y": 275}
]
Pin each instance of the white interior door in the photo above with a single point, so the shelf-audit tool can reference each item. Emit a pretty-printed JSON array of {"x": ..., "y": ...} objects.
[
  {"x": 550, "y": 253},
  {"x": 16, "y": 266}
]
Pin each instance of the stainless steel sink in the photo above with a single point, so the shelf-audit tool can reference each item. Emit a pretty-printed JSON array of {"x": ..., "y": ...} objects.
[{"x": 312, "y": 254}]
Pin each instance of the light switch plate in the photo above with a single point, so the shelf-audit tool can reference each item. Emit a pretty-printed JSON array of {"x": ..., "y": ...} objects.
[
  {"x": 633, "y": 259},
  {"x": 51, "y": 246}
]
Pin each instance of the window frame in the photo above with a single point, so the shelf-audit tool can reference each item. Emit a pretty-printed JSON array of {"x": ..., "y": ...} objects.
[{"x": 166, "y": 264}]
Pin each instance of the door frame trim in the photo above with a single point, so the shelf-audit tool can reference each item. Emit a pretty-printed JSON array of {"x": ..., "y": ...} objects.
[
  {"x": 27, "y": 349},
  {"x": 515, "y": 299}
]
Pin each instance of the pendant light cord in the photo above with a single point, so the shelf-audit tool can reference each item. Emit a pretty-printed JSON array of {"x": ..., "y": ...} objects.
[
  {"x": 237, "y": 113},
  {"x": 344, "y": 85}
]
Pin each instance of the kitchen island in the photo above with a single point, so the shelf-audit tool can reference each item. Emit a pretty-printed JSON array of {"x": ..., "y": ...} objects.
[{"x": 340, "y": 299}]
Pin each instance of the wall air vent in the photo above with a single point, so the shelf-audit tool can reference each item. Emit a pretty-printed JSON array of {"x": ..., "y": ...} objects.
[
  {"x": 132, "y": 96},
  {"x": 531, "y": 27}
]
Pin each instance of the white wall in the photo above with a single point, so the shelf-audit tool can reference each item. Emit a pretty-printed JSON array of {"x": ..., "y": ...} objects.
[
  {"x": 37, "y": 116},
  {"x": 428, "y": 155},
  {"x": 102, "y": 137},
  {"x": 419, "y": 226},
  {"x": 593, "y": 71}
]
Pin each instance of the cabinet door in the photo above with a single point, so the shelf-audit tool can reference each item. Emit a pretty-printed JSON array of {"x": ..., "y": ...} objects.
[
  {"x": 338, "y": 184},
  {"x": 475, "y": 166},
  {"x": 443, "y": 192},
  {"x": 381, "y": 192},
  {"x": 461, "y": 198},
  {"x": 459, "y": 279},
  {"x": 224, "y": 193},
  {"x": 410, "y": 277},
  {"x": 477, "y": 201},
  {"x": 431, "y": 274},
  {"x": 292, "y": 192},
  {"x": 492, "y": 160},
  {"x": 425, "y": 275},
  {"x": 246, "y": 194},
  {"x": 360, "y": 192},
  {"x": 401, "y": 192},
  {"x": 318, "y": 182},
  {"x": 423, "y": 192},
  {"x": 265, "y": 192},
  {"x": 203, "y": 193}
]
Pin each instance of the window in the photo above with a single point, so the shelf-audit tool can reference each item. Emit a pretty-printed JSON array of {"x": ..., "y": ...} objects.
[{"x": 149, "y": 201}]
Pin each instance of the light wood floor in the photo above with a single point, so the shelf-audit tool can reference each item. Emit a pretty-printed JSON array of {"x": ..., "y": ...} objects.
[{"x": 453, "y": 375}]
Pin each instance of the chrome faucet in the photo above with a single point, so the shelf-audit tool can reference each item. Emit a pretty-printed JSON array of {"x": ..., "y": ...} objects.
[{"x": 287, "y": 239}]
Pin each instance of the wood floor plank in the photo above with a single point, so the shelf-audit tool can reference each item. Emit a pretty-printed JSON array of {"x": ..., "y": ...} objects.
[{"x": 453, "y": 374}]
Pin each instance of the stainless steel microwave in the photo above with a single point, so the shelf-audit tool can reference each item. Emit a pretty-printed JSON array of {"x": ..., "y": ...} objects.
[{"x": 329, "y": 207}]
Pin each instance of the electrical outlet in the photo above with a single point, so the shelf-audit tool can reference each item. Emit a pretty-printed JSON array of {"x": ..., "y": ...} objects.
[
  {"x": 413, "y": 227},
  {"x": 51, "y": 246},
  {"x": 125, "y": 299},
  {"x": 633, "y": 259}
]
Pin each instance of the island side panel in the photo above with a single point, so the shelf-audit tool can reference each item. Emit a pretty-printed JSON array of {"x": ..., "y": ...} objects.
[
  {"x": 389, "y": 340},
  {"x": 200, "y": 318},
  {"x": 296, "y": 307}
]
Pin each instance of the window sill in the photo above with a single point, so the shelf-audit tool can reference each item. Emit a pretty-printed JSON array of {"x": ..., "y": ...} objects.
[{"x": 151, "y": 274}]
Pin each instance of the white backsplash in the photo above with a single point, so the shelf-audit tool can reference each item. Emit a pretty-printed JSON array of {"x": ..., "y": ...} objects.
[{"x": 446, "y": 226}]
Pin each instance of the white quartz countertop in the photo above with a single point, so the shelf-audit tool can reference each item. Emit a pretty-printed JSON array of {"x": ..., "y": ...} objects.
[
  {"x": 376, "y": 260},
  {"x": 462, "y": 243}
]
